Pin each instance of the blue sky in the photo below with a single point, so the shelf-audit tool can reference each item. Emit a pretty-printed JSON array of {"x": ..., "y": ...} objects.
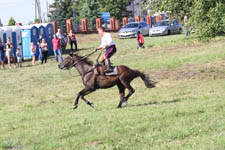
[{"x": 21, "y": 10}]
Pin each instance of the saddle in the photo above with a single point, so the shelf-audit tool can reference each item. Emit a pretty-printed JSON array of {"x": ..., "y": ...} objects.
[{"x": 99, "y": 70}]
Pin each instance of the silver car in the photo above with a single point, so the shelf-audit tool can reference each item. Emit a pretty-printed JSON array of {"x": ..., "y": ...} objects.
[
  {"x": 166, "y": 27},
  {"x": 131, "y": 29}
]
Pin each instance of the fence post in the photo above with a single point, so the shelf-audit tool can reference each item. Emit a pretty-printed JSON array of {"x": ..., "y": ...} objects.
[
  {"x": 68, "y": 25},
  {"x": 156, "y": 19},
  {"x": 54, "y": 27},
  {"x": 125, "y": 21},
  {"x": 160, "y": 17},
  {"x": 137, "y": 19},
  {"x": 149, "y": 20},
  {"x": 112, "y": 24},
  {"x": 84, "y": 25},
  {"x": 116, "y": 24},
  {"x": 98, "y": 23}
]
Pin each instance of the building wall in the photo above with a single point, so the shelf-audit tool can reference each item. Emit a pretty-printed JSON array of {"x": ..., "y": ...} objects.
[{"x": 134, "y": 7}]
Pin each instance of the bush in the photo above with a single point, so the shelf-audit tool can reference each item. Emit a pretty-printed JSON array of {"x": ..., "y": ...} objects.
[{"x": 208, "y": 18}]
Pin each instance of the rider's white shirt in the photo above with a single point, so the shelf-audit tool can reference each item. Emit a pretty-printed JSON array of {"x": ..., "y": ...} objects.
[{"x": 106, "y": 40}]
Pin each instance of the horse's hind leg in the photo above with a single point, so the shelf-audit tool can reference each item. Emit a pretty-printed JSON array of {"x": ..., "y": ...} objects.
[
  {"x": 130, "y": 89},
  {"x": 122, "y": 93},
  {"x": 81, "y": 94}
]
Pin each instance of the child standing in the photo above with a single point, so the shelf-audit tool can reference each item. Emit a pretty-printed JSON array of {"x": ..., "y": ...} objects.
[
  {"x": 33, "y": 52},
  {"x": 44, "y": 48},
  {"x": 19, "y": 58},
  {"x": 140, "y": 40}
]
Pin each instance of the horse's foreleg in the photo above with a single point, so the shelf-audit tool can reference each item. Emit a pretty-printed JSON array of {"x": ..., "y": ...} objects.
[
  {"x": 87, "y": 102},
  {"x": 122, "y": 93},
  {"x": 81, "y": 94},
  {"x": 76, "y": 101}
]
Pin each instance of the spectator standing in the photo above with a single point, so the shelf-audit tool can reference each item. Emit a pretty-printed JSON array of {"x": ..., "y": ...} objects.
[
  {"x": 9, "y": 52},
  {"x": 44, "y": 48},
  {"x": 140, "y": 40},
  {"x": 59, "y": 34},
  {"x": 19, "y": 57},
  {"x": 56, "y": 48},
  {"x": 64, "y": 42},
  {"x": 33, "y": 49},
  {"x": 61, "y": 38},
  {"x": 186, "y": 26},
  {"x": 72, "y": 40},
  {"x": 39, "y": 47},
  {"x": 2, "y": 54}
]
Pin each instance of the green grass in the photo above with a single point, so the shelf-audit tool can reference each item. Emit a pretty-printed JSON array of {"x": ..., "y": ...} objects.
[{"x": 184, "y": 111}]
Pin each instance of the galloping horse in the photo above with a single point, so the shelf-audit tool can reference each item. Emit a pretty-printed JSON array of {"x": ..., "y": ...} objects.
[{"x": 92, "y": 81}]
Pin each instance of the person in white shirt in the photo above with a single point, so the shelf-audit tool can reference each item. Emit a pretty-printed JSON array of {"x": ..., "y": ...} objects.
[
  {"x": 59, "y": 34},
  {"x": 108, "y": 44}
]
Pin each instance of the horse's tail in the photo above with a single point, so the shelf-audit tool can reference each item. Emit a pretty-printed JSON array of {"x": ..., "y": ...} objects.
[{"x": 145, "y": 78}]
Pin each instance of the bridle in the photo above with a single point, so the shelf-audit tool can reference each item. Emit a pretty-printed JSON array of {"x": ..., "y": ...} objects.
[{"x": 80, "y": 60}]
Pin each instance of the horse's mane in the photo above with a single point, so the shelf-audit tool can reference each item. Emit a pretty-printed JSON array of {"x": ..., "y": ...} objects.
[{"x": 85, "y": 59}]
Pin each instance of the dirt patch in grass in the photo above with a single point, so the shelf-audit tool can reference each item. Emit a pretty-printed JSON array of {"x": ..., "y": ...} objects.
[
  {"x": 87, "y": 38},
  {"x": 90, "y": 144},
  {"x": 213, "y": 70}
]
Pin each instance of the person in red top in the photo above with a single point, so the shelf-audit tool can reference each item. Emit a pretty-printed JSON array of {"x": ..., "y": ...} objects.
[
  {"x": 56, "y": 48},
  {"x": 140, "y": 40},
  {"x": 72, "y": 39}
]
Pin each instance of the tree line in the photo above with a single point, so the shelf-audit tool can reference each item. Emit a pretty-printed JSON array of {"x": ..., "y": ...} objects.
[
  {"x": 89, "y": 9},
  {"x": 207, "y": 17}
]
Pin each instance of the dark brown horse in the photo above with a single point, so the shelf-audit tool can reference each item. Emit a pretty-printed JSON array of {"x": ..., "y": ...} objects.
[{"x": 92, "y": 81}]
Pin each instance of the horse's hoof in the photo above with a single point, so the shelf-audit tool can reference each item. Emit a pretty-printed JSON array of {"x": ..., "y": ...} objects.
[
  {"x": 75, "y": 107},
  {"x": 92, "y": 105},
  {"x": 125, "y": 103},
  {"x": 119, "y": 107}
]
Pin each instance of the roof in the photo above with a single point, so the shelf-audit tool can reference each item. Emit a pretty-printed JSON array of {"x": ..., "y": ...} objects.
[
  {"x": 28, "y": 26},
  {"x": 6, "y": 28}
]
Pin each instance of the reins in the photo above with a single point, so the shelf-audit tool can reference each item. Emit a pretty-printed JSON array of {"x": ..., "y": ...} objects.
[{"x": 84, "y": 57}]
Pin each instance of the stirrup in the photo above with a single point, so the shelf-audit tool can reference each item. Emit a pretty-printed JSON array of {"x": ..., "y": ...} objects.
[{"x": 108, "y": 70}]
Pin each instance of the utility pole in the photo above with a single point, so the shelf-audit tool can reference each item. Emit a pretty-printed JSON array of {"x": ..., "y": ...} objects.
[
  {"x": 38, "y": 10},
  {"x": 47, "y": 9},
  {"x": 133, "y": 3},
  {"x": 1, "y": 23}
]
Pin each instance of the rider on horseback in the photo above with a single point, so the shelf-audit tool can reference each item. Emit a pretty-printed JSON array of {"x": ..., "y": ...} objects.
[{"x": 108, "y": 44}]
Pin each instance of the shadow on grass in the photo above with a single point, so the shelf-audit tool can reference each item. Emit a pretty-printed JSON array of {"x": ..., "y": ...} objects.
[{"x": 155, "y": 103}]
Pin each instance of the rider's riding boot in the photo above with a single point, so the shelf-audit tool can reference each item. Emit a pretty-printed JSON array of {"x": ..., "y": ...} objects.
[{"x": 108, "y": 66}]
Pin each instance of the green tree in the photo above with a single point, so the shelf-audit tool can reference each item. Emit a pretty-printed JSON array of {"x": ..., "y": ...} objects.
[
  {"x": 61, "y": 10},
  {"x": 116, "y": 8},
  {"x": 178, "y": 8},
  {"x": 36, "y": 20},
  {"x": 89, "y": 9},
  {"x": 209, "y": 18},
  {"x": 12, "y": 22}
]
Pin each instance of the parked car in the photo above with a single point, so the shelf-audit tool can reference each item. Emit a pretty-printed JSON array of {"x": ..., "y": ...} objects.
[
  {"x": 166, "y": 27},
  {"x": 131, "y": 29}
]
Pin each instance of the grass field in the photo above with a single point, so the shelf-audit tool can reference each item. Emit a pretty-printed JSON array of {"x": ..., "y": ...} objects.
[{"x": 186, "y": 110}]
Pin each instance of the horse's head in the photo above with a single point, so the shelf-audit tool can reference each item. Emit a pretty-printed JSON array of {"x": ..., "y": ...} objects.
[{"x": 68, "y": 62}]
